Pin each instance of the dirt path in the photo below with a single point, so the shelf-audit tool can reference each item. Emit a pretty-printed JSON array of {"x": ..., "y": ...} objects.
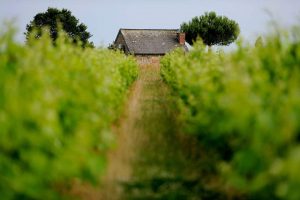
[
  {"x": 145, "y": 115},
  {"x": 151, "y": 159}
]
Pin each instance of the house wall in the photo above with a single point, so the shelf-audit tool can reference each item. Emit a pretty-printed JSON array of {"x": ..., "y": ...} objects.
[
  {"x": 148, "y": 59},
  {"x": 120, "y": 40}
]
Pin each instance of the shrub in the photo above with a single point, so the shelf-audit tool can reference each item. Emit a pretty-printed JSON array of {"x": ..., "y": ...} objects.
[
  {"x": 244, "y": 108},
  {"x": 57, "y": 104}
]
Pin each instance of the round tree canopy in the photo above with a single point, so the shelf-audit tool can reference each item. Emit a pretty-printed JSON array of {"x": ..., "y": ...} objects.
[
  {"x": 212, "y": 29},
  {"x": 69, "y": 23}
]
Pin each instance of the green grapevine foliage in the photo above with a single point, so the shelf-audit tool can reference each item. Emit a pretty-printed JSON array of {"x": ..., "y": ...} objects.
[
  {"x": 57, "y": 105},
  {"x": 244, "y": 109}
]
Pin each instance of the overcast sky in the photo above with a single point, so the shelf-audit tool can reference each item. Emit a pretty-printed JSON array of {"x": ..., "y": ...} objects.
[{"x": 105, "y": 17}]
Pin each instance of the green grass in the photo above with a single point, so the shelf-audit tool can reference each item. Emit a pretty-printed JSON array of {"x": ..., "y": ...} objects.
[{"x": 165, "y": 164}]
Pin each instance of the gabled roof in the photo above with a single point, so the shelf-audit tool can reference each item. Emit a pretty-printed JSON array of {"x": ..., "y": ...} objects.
[{"x": 151, "y": 41}]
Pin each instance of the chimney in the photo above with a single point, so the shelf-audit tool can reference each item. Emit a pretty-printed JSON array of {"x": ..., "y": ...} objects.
[{"x": 181, "y": 38}]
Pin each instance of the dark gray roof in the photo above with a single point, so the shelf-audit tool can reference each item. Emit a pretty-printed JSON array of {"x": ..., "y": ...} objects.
[{"x": 151, "y": 41}]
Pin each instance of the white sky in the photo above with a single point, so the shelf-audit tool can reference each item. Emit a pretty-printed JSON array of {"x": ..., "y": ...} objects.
[{"x": 105, "y": 17}]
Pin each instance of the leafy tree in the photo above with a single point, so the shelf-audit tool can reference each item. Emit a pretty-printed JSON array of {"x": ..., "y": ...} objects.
[
  {"x": 213, "y": 29},
  {"x": 51, "y": 18}
]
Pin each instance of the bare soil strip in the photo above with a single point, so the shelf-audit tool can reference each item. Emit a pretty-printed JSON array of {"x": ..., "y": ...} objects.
[
  {"x": 151, "y": 159},
  {"x": 133, "y": 129}
]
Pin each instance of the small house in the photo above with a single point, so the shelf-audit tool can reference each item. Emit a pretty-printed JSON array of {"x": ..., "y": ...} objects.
[{"x": 148, "y": 45}]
